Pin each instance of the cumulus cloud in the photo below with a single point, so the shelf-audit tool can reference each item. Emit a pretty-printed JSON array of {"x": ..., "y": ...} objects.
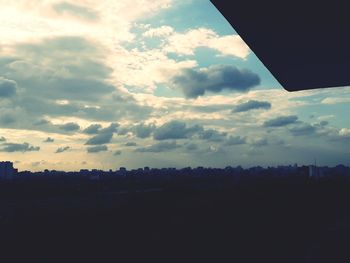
[
  {"x": 175, "y": 130},
  {"x": 69, "y": 127},
  {"x": 115, "y": 17},
  {"x": 97, "y": 149},
  {"x": 252, "y": 105},
  {"x": 197, "y": 82},
  {"x": 159, "y": 147},
  {"x": 344, "y": 132},
  {"x": 104, "y": 135},
  {"x": 102, "y": 138},
  {"x": 7, "y": 88},
  {"x": 162, "y": 31},
  {"x": 18, "y": 147},
  {"x": 112, "y": 128},
  {"x": 143, "y": 131},
  {"x": 92, "y": 129},
  {"x": 123, "y": 130},
  {"x": 59, "y": 87},
  {"x": 62, "y": 149},
  {"x": 49, "y": 140},
  {"x": 186, "y": 43},
  {"x": 281, "y": 121},
  {"x": 2, "y": 139}
]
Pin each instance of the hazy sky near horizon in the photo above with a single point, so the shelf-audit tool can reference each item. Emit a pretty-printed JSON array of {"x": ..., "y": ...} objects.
[{"x": 104, "y": 84}]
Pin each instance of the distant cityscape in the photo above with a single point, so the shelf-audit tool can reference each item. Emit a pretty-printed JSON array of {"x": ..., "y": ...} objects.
[
  {"x": 8, "y": 172},
  {"x": 226, "y": 212}
]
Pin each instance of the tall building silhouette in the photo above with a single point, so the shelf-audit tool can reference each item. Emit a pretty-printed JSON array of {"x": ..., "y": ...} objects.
[{"x": 7, "y": 171}]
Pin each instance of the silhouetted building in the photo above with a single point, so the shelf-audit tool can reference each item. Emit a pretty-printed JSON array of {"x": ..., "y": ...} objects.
[
  {"x": 315, "y": 172},
  {"x": 7, "y": 171},
  {"x": 122, "y": 171}
]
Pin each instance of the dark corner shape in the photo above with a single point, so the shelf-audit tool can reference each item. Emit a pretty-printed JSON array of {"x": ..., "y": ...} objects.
[{"x": 304, "y": 44}]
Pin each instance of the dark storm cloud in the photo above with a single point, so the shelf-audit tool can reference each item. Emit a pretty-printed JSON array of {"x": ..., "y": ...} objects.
[
  {"x": 69, "y": 127},
  {"x": 7, "y": 88},
  {"x": 62, "y": 149},
  {"x": 2, "y": 139},
  {"x": 281, "y": 121},
  {"x": 18, "y": 147},
  {"x": 175, "y": 130},
  {"x": 75, "y": 10},
  {"x": 131, "y": 144},
  {"x": 303, "y": 129},
  {"x": 104, "y": 135},
  {"x": 212, "y": 135},
  {"x": 92, "y": 129},
  {"x": 235, "y": 140},
  {"x": 49, "y": 140},
  {"x": 195, "y": 83},
  {"x": 253, "y": 105},
  {"x": 97, "y": 149},
  {"x": 159, "y": 147}
]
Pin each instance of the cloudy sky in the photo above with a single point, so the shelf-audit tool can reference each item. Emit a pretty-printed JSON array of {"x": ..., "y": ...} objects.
[{"x": 104, "y": 84}]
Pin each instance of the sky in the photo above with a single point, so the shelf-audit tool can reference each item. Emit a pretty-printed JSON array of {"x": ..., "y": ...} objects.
[{"x": 102, "y": 84}]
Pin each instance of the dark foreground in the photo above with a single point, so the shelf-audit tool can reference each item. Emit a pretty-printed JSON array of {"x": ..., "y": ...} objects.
[{"x": 277, "y": 220}]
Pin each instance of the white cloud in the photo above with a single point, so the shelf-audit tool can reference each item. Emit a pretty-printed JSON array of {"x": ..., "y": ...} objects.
[
  {"x": 344, "y": 132},
  {"x": 336, "y": 100},
  {"x": 187, "y": 43},
  {"x": 162, "y": 31},
  {"x": 143, "y": 70},
  {"x": 34, "y": 19}
]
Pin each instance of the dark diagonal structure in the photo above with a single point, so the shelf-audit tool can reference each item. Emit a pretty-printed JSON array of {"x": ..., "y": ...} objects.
[{"x": 305, "y": 44}]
